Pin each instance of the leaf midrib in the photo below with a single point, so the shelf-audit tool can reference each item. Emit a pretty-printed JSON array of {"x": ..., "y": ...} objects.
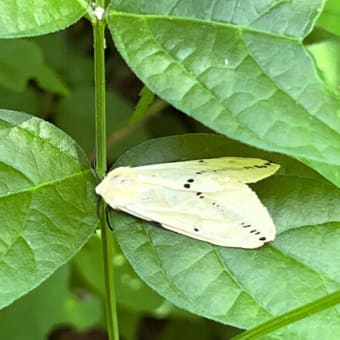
[
  {"x": 47, "y": 183},
  {"x": 115, "y": 13}
]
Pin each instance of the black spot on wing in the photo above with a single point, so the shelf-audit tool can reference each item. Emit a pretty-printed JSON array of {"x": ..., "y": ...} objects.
[
  {"x": 199, "y": 194},
  {"x": 260, "y": 166},
  {"x": 196, "y": 229},
  {"x": 187, "y": 185},
  {"x": 264, "y": 165},
  {"x": 253, "y": 231}
]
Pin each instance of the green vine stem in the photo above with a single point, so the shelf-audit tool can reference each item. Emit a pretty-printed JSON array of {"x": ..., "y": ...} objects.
[
  {"x": 101, "y": 166},
  {"x": 290, "y": 317}
]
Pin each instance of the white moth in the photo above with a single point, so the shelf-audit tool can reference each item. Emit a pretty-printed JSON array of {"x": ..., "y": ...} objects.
[{"x": 204, "y": 199}]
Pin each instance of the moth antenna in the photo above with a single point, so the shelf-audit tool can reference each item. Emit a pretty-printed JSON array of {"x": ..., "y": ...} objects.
[{"x": 99, "y": 200}]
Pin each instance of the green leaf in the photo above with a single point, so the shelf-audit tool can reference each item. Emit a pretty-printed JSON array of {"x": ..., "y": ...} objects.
[
  {"x": 48, "y": 206},
  {"x": 22, "y": 18},
  {"x": 73, "y": 63},
  {"x": 292, "y": 316},
  {"x": 129, "y": 324},
  {"x": 326, "y": 54},
  {"x": 27, "y": 101},
  {"x": 53, "y": 305},
  {"x": 132, "y": 293},
  {"x": 241, "y": 70},
  {"x": 330, "y": 17},
  {"x": 236, "y": 286},
  {"x": 200, "y": 329},
  {"x": 238, "y": 13},
  {"x": 21, "y": 61},
  {"x": 141, "y": 110}
]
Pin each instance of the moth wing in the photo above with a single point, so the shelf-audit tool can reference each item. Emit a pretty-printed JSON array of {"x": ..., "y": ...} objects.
[
  {"x": 206, "y": 175},
  {"x": 231, "y": 218}
]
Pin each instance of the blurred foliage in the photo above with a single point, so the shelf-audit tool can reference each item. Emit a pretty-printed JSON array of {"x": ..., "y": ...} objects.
[{"x": 52, "y": 77}]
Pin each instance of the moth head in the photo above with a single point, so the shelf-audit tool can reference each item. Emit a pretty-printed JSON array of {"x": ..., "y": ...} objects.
[{"x": 117, "y": 186}]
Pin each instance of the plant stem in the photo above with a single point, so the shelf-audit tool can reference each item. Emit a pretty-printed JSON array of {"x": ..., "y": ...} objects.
[
  {"x": 290, "y": 317},
  {"x": 101, "y": 161}
]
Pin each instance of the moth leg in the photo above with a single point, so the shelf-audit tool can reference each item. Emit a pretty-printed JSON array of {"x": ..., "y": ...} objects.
[
  {"x": 107, "y": 210},
  {"x": 99, "y": 202}
]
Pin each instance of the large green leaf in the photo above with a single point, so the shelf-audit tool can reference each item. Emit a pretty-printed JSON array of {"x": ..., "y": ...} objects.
[
  {"x": 236, "y": 286},
  {"x": 48, "y": 206},
  {"x": 238, "y": 67},
  {"x": 23, "y": 18}
]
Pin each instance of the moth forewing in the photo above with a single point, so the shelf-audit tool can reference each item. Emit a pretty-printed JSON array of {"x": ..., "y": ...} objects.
[
  {"x": 202, "y": 199},
  {"x": 219, "y": 170}
]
